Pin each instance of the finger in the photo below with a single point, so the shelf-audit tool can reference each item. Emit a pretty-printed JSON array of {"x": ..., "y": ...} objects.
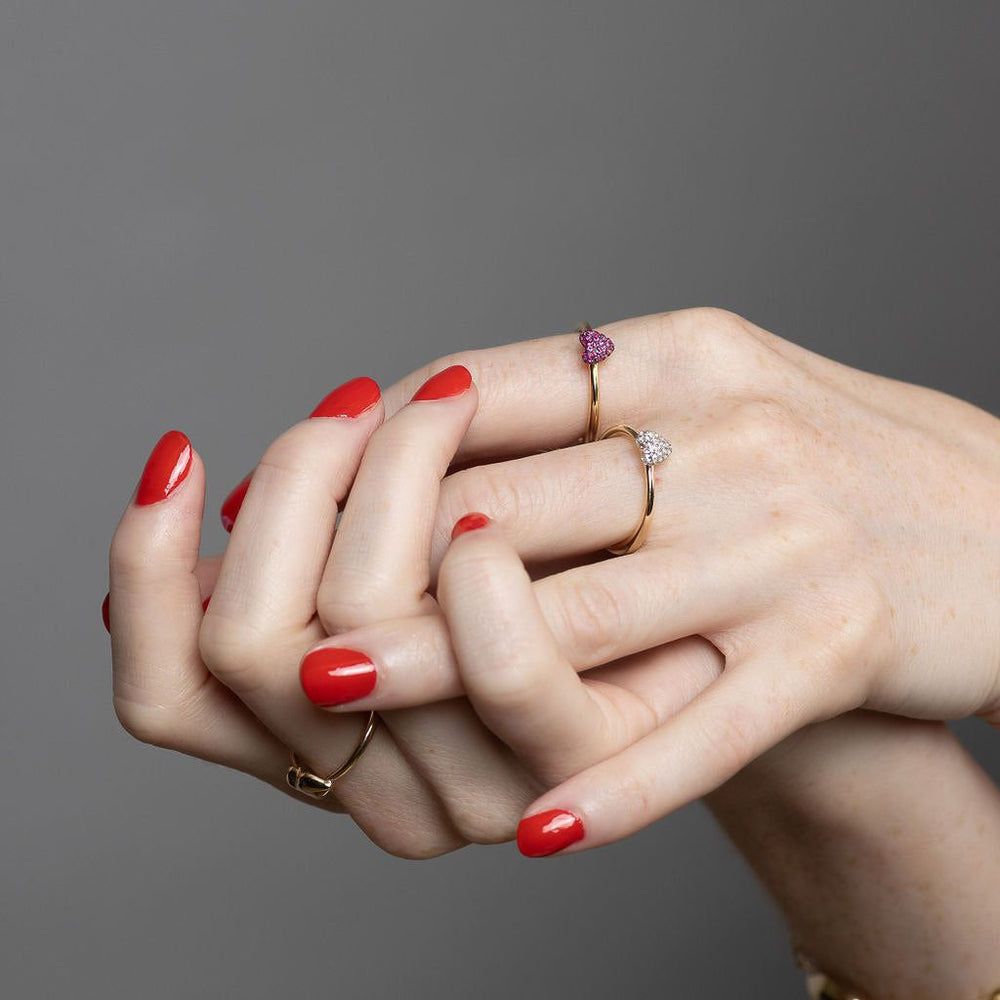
[
  {"x": 266, "y": 589},
  {"x": 535, "y": 394},
  {"x": 513, "y": 673},
  {"x": 378, "y": 566},
  {"x": 262, "y": 616},
  {"x": 598, "y": 613},
  {"x": 752, "y": 707},
  {"x": 348, "y": 401},
  {"x": 163, "y": 692},
  {"x": 482, "y": 787},
  {"x": 559, "y": 504}
]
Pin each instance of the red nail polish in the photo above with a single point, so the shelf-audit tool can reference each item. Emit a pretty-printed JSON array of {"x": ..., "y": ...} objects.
[
  {"x": 452, "y": 381},
  {"x": 548, "y": 832},
  {"x": 336, "y": 676},
  {"x": 166, "y": 468},
  {"x": 106, "y": 612},
  {"x": 231, "y": 505},
  {"x": 470, "y": 522},
  {"x": 204, "y": 603},
  {"x": 349, "y": 400}
]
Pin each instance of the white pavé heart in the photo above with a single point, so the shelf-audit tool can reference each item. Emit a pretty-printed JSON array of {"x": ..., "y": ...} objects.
[{"x": 653, "y": 447}]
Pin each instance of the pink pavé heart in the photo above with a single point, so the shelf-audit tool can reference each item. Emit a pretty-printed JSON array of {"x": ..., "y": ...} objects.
[{"x": 596, "y": 346}]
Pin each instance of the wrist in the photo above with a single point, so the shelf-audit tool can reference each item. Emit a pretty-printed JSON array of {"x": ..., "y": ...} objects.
[{"x": 875, "y": 836}]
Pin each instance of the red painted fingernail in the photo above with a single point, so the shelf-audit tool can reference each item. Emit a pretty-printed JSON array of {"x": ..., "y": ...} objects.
[
  {"x": 336, "y": 676},
  {"x": 350, "y": 399},
  {"x": 470, "y": 522},
  {"x": 452, "y": 381},
  {"x": 204, "y": 603},
  {"x": 548, "y": 832},
  {"x": 231, "y": 505},
  {"x": 166, "y": 468},
  {"x": 106, "y": 612}
]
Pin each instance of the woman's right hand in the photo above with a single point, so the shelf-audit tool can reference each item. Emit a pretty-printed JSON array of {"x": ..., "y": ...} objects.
[{"x": 226, "y": 687}]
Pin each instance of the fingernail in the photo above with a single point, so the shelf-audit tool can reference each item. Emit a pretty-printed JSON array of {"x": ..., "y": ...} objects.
[
  {"x": 204, "y": 603},
  {"x": 350, "y": 399},
  {"x": 548, "y": 832},
  {"x": 231, "y": 505},
  {"x": 106, "y": 612},
  {"x": 470, "y": 522},
  {"x": 166, "y": 468},
  {"x": 452, "y": 381},
  {"x": 336, "y": 676}
]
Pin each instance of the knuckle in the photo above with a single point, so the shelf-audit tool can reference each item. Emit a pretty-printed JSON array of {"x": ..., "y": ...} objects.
[
  {"x": 505, "y": 497},
  {"x": 730, "y": 737},
  {"x": 419, "y": 845},
  {"x": 469, "y": 568},
  {"x": 156, "y": 725},
  {"x": 860, "y": 620},
  {"x": 717, "y": 332},
  {"x": 127, "y": 559},
  {"x": 232, "y": 653},
  {"x": 710, "y": 343},
  {"x": 594, "y": 617},
  {"x": 712, "y": 321},
  {"x": 764, "y": 426},
  {"x": 293, "y": 454},
  {"x": 348, "y": 600},
  {"x": 479, "y": 822},
  {"x": 636, "y": 789},
  {"x": 509, "y": 692}
]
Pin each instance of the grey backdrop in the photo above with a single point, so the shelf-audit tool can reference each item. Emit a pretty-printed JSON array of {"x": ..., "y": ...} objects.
[{"x": 212, "y": 213}]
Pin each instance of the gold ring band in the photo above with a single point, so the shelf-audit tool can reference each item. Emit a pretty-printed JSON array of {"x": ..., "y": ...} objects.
[
  {"x": 594, "y": 420},
  {"x": 653, "y": 449},
  {"x": 316, "y": 787}
]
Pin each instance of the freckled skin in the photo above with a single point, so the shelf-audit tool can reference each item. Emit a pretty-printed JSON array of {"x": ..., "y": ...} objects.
[{"x": 876, "y": 836}]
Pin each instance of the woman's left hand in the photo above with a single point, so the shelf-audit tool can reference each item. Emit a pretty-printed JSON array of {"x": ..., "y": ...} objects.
[{"x": 834, "y": 534}]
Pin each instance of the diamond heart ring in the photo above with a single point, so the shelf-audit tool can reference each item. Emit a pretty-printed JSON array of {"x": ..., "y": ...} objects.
[
  {"x": 597, "y": 347},
  {"x": 653, "y": 449}
]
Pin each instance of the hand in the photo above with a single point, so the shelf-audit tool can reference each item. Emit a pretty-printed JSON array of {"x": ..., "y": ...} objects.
[
  {"x": 833, "y": 534},
  {"x": 432, "y": 778}
]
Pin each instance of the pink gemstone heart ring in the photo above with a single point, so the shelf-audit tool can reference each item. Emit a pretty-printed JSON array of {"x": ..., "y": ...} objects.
[
  {"x": 597, "y": 347},
  {"x": 653, "y": 449}
]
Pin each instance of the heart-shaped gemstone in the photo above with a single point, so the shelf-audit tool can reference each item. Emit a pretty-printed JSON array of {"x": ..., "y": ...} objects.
[
  {"x": 653, "y": 448},
  {"x": 596, "y": 346}
]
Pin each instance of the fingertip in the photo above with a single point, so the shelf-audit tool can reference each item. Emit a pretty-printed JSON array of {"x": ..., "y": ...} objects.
[
  {"x": 548, "y": 832},
  {"x": 470, "y": 522},
  {"x": 331, "y": 676},
  {"x": 166, "y": 468},
  {"x": 350, "y": 399},
  {"x": 452, "y": 381}
]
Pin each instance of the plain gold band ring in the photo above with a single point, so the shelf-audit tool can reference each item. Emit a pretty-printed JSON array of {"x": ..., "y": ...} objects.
[
  {"x": 653, "y": 449},
  {"x": 316, "y": 787}
]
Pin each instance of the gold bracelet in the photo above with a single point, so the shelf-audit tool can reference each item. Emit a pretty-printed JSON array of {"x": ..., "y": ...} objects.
[{"x": 821, "y": 987}]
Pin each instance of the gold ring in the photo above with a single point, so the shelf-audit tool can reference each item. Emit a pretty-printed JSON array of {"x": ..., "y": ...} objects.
[
  {"x": 316, "y": 787},
  {"x": 597, "y": 347},
  {"x": 653, "y": 449}
]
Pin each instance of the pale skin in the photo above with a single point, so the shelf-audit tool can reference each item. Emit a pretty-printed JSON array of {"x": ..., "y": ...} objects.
[{"x": 824, "y": 540}]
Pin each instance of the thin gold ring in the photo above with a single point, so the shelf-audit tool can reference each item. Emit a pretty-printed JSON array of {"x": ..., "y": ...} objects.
[
  {"x": 653, "y": 449},
  {"x": 316, "y": 787},
  {"x": 597, "y": 347}
]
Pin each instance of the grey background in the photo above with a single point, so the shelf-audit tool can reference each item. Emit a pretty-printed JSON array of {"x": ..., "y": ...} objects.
[{"x": 212, "y": 213}]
